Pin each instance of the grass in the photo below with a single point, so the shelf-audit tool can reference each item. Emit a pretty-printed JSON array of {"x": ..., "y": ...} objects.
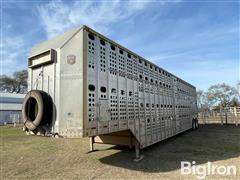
[{"x": 25, "y": 157}]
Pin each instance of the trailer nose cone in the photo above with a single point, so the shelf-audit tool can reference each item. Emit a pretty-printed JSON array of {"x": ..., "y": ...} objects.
[{"x": 36, "y": 109}]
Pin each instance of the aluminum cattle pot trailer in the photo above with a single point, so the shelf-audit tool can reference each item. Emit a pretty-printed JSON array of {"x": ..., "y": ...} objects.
[{"x": 82, "y": 84}]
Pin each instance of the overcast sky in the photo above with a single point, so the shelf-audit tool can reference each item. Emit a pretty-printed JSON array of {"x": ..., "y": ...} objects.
[{"x": 195, "y": 40}]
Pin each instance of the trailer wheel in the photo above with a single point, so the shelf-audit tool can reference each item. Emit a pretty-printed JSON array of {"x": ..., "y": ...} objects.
[
  {"x": 196, "y": 122},
  {"x": 36, "y": 109},
  {"x": 193, "y": 124}
]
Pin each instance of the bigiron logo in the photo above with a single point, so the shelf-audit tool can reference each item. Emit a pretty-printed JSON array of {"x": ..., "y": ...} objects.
[{"x": 201, "y": 171}]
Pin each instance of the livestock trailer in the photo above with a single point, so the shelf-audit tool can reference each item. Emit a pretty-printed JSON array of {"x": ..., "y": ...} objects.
[{"x": 82, "y": 84}]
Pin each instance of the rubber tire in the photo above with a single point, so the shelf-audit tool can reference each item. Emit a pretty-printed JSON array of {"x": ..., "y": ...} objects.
[
  {"x": 44, "y": 113},
  {"x": 48, "y": 108},
  {"x": 193, "y": 124},
  {"x": 196, "y": 123}
]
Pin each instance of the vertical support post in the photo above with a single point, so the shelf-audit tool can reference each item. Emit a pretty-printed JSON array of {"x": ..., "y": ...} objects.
[
  {"x": 221, "y": 116},
  {"x": 204, "y": 116},
  {"x": 137, "y": 149},
  {"x": 91, "y": 141},
  {"x": 226, "y": 119},
  {"x": 235, "y": 114},
  {"x": 138, "y": 157}
]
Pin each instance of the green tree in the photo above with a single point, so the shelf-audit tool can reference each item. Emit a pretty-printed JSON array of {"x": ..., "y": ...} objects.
[
  {"x": 202, "y": 100},
  {"x": 238, "y": 89},
  {"x": 234, "y": 102},
  {"x": 221, "y": 94},
  {"x": 17, "y": 83}
]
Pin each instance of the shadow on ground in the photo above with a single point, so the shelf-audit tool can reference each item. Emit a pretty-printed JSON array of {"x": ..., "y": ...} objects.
[{"x": 208, "y": 143}]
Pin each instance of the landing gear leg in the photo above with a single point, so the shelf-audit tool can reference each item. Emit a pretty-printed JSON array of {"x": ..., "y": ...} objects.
[
  {"x": 91, "y": 143},
  {"x": 139, "y": 157}
]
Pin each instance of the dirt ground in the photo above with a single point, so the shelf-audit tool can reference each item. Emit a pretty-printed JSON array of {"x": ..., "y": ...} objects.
[{"x": 25, "y": 157}]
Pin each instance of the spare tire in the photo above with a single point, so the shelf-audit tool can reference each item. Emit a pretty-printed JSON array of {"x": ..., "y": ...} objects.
[{"x": 36, "y": 109}]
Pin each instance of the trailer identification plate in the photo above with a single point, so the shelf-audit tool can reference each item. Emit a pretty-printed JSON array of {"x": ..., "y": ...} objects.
[{"x": 71, "y": 59}]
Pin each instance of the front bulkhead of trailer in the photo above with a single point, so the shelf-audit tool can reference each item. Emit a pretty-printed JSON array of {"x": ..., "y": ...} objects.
[{"x": 56, "y": 67}]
